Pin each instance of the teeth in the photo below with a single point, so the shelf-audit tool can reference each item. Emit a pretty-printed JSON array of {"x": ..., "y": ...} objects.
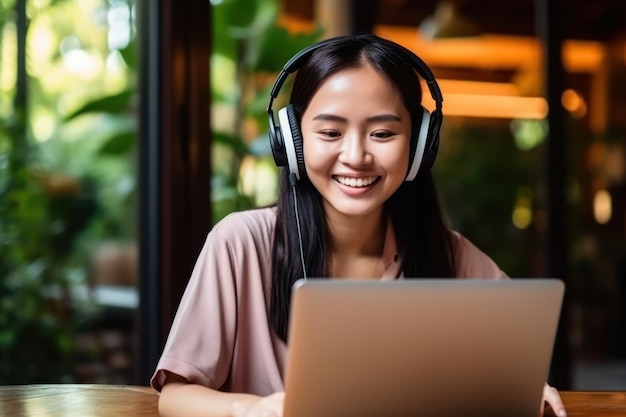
[{"x": 356, "y": 182}]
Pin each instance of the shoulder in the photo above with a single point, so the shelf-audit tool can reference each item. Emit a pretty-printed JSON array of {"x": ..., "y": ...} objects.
[
  {"x": 471, "y": 262},
  {"x": 239, "y": 246},
  {"x": 255, "y": 223}
]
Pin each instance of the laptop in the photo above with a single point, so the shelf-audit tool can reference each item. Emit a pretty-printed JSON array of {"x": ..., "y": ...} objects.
[{"x": 420, "y": 347}]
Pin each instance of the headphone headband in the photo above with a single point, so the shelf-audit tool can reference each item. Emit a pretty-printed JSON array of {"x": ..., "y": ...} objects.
[{"x": 296, "y": 61}]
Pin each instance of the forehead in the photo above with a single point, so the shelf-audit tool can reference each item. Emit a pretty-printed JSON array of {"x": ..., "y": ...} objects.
[
  {"x": 363, "y": 72},
  {"x": 357, "y": 87}
]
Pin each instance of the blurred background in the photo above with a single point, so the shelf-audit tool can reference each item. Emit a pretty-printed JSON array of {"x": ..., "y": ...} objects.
[{"x": 129, "y": 127}]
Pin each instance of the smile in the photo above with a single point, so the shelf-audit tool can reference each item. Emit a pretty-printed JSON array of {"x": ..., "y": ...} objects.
[{"x": 356, "y": 182}]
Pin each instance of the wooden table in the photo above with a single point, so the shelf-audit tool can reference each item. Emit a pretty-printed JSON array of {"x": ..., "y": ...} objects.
[
  {"x": 133, "y": 401},
  {"x": 593, "y": 403},
  {"x": 85, "y": 400}
]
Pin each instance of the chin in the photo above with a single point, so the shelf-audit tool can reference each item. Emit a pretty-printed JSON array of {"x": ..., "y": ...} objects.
[{"x": 355, "y": 210}]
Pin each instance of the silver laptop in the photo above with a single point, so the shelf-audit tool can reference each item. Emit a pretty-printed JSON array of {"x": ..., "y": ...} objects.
[{"x": 420, "y": 347}]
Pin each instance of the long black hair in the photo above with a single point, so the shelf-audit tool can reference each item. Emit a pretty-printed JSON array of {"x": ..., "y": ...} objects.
[{"x": 423, "y": 238}]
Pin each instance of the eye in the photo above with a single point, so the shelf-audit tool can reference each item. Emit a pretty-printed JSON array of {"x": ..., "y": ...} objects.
[
  {"x": 329, "y": 134},
  {"x": 382, "y": 134}
]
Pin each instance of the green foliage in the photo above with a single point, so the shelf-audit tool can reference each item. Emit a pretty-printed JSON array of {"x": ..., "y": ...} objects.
[
  {"x": 41, "y": 217},
  {"x": 73, "y": 186},
  {"x": 116, "y": 103},
  {"x": 246, "y": 35},
  {"x": 55, "y": 201}
]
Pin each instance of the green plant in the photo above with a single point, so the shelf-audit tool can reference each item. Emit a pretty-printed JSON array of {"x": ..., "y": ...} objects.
[
  {"x": 50, "y": 202},
  {"x": 250, "y": 48},
  {"x": 41, "y": 218},
  {"x": 42, "y": 214}
]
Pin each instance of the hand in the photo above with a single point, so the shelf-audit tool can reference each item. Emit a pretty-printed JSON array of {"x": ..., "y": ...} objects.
[
  {"x": 552, "y": 397},
  {"x": 270, "y": 406}
]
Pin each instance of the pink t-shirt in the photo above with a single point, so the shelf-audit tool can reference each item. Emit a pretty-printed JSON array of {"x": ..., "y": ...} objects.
[{"x": 221, "y": 338}]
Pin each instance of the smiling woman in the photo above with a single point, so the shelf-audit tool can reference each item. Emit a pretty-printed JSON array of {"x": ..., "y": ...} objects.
[{"x": 356, "y": 200}]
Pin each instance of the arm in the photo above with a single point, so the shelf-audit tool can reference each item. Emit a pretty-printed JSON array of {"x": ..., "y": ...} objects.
[
  {"x": 201, "y": 345},
  {"x": 180, "y": 398}
]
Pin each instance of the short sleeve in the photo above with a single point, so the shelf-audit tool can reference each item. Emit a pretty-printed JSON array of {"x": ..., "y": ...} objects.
[{"x": 201, "y": 339}]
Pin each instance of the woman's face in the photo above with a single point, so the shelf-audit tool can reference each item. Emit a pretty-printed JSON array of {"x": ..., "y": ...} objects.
[{"x": 356, "y": 134}]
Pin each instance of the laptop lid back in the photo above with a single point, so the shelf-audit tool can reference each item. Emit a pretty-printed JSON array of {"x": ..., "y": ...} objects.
[{"x": 420, "y": 347}]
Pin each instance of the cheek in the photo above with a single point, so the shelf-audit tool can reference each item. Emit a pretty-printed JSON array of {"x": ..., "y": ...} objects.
[
  {"x": 396, "y": 158},
  {"x": 317, "y": 154}
]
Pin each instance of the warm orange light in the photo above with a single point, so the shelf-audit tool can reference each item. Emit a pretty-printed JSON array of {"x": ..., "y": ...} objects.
[
  {"x": 493, "y": 51},
  {"x": 295, "y": 24},
  {"x": 491, "y": 106},
  {"x": 484, "y": 99},
  {"x": 477, "y": 87},
  {"x": 574, "y": 103},
  {"x": 602, "y": 207},
  {"x": 486, "y": 51}
]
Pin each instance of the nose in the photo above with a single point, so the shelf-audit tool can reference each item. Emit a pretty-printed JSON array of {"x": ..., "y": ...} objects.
[{"x": 355, "y": 150}]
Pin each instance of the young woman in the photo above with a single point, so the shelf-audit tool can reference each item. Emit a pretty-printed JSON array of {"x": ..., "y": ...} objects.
[{"x": 356, "y": 201}]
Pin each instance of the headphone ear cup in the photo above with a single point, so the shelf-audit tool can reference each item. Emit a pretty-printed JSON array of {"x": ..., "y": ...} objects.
[
  {"x": 425, "y": 142},
  {"x": 419, "y": 138},
  {"x": 432, "y": 140},
  {"x": 296, "y": 135},
  {"x": 277, "y": 143},
  {"x": 292, "y": 138}
]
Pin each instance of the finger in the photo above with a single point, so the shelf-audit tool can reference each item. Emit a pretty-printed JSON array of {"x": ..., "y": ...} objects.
[{"x": 552, "y": 397}]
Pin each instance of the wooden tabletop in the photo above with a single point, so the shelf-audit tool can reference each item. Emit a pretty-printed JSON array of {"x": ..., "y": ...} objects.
[
  {"x": 85, "y": 400},
  {"x": 593, "y": 403},
  {"x": 89, "y": 400}
]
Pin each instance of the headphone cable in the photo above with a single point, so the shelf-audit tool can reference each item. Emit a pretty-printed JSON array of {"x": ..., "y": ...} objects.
[{"x": 293, "y": 180}]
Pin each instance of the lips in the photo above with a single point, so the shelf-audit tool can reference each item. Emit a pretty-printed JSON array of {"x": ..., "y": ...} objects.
[{"x": 359, "y": 182}]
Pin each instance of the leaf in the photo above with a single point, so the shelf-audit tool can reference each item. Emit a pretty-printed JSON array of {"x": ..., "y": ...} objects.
[
  {"x": 117, "y": 103},
  {"x": 223, "y": 43},
  {"x": 129, "y": 54},
  {"x": 120, "y": 143},
  {"x": 277, "y": 45},
  {"x": 236, "y": 22},
  {"x": 240, "y": 13}
]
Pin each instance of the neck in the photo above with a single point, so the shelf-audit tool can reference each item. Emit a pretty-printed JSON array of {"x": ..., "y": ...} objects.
[
  {"x": 356, "y": 246},
  {"x": 357, "y": 236}
]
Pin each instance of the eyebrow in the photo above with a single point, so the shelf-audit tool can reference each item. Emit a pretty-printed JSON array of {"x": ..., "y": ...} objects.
[{"x": 377, "y": 118}]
